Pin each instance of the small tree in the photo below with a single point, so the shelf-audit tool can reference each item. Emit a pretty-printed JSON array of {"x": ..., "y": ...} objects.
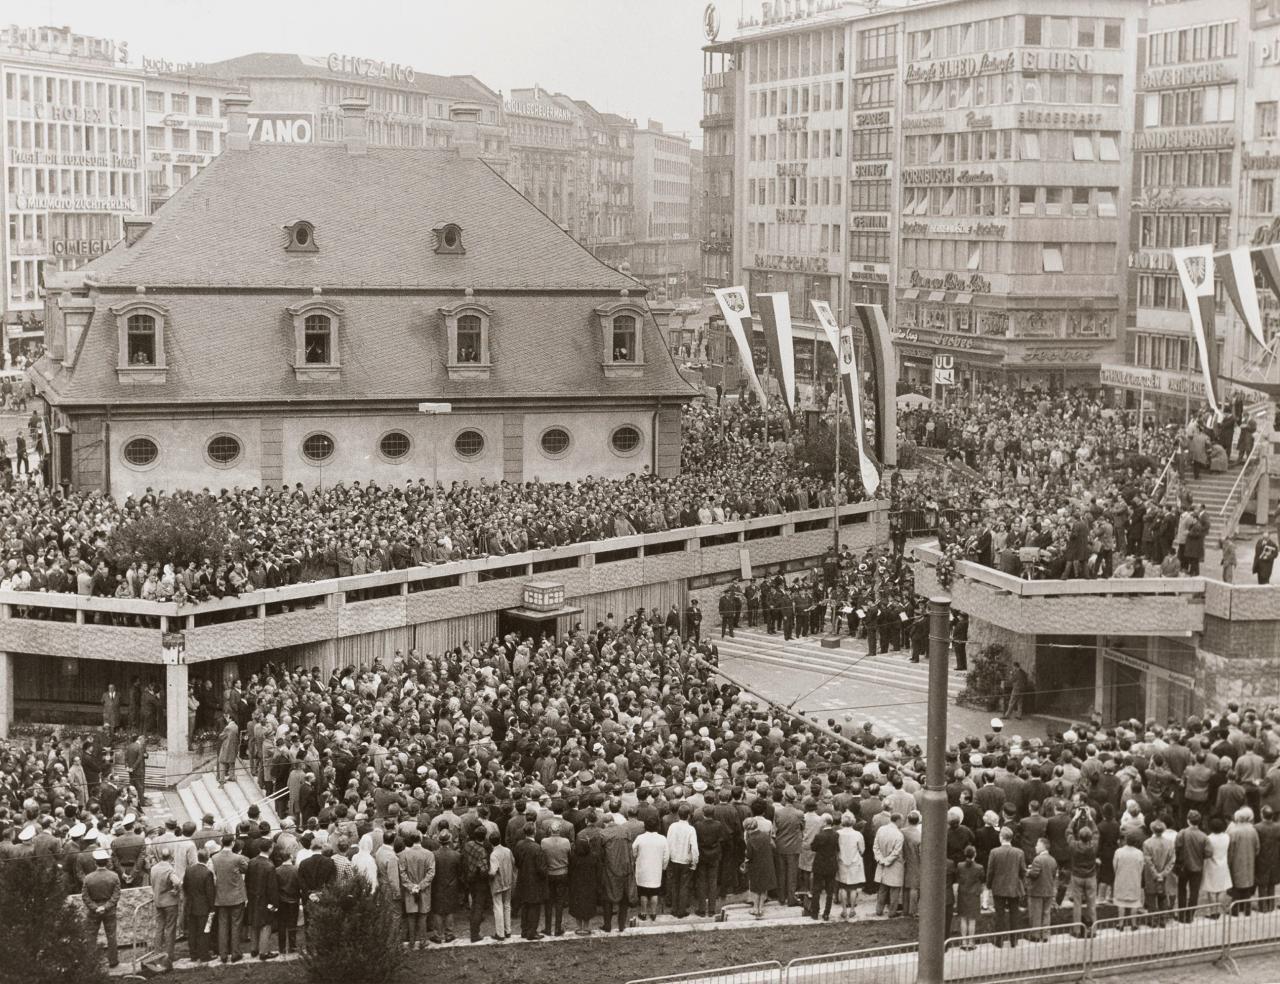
[
  {"x": 179, "y": 531},
  {"x": 45, "y": 934},
  {"x": 818, "y": 451},
  {"x": 987, "y": 681},
  {"x": 352, "y": 934}
]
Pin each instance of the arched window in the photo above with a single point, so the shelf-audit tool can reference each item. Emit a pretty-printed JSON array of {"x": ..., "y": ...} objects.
[
  {"x": 624, "y": 338},
  {"x": 317, "y": 342},
  {"x": 141, "y": 340},
  {"x": 470, "y": 336}
]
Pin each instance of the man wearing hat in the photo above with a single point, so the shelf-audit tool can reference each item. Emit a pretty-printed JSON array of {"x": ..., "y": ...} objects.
[{"x": 101, "y": 894}]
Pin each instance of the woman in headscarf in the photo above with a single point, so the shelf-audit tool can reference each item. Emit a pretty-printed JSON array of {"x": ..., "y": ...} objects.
[
  {"x": 761, "y": 879},
  {"x": 584, "y": 884}
]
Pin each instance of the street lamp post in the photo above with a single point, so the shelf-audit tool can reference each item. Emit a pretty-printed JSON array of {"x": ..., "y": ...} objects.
[{"x": 434, "y": 410}]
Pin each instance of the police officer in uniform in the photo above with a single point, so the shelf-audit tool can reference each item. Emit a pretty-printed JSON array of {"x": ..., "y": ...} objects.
[{"x": 101, "y": 894}]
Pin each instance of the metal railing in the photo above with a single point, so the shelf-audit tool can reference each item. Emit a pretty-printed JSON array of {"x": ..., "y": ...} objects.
[
  {"x": 1233, "y": 508},
  {"x": 1065, "y": 951}
]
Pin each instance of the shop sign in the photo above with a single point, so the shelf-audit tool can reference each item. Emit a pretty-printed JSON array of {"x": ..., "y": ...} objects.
[
  {"x": 790, "y": 216},
  {"x": 923, "y": 123},
  {"x": 1159, "y": 380},
  {"x": 62, "y": 203},
  {"x": 869, "y": 273},
  {"x": 370, "y": 68},
  {"x": 962, "y": 68},
  {"x": 1266, "y": 161},
  {"x": 963, "y": 343},
  {"x": 1189, "y": 137},
  {"x": 47, "y": 158},
  {"x": 876, "y": 221},
  {"x": 1057, "y": 119},
  {"x": 79, "y": 247},
  {"x": 977, "y": 121},
  {"x": 1134, "y": 662},
  {"x": 793, "y": 169},
  {"x": 539, "y": 109},
  {"x": 975, "y": 284},
  {"x": 978, "y": 230},
  {"x": 929, "y": 176},
  {"x": 871, "y": 171},
  {"x": 282, "y": 127},
  {"x": 59, "y": 41},
  {"x": 1266, "y": 235},
  {"x": 1269, "y": 52},
  {"x": 1144, "y": 260},
  {"x": 879, "y": 117},
  {"x": 1056, "y": 355},
  {"x": 75, "y": 114},
  {"x": 975, "y": 177},
  {"x": 793, "y": 123},
  {"x": 799, "y": 264},
  {"x": 1057, "y": 61},
  {"x": 162, "y": 66},
  {"x": 1180, "y": 75}
]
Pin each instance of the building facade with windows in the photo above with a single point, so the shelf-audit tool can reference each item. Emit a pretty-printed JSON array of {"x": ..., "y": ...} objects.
[
  {"x": 1205, "y": 169},
  {"x": 545, "y": 142},
  {"x": 184, "y": 126},
  {"x": 665, "y": 255},
  {"x": 73, "y": 161},
  {"x": 296, "y": 100},
  {"x": 444, "y": 329},
  {"x": 1015, "y": 130},
  {"x": 720, "y": 82}
]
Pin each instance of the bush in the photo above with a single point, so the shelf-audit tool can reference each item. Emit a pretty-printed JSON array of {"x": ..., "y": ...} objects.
[
  {"x": 818, "y": 451},
  {"x": 178, "y": 532},
  {"x": 352, "y": 934},
  {"x": 46, "y": 939},
  {"x": 987, "y": 681}
]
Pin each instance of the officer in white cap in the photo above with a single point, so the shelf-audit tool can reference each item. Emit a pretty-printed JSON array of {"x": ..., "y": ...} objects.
[{"x": 101, "y": 894}]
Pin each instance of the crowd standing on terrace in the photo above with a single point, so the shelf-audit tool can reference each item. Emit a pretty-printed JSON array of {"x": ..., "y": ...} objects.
[{"x": 731, "y": 469}]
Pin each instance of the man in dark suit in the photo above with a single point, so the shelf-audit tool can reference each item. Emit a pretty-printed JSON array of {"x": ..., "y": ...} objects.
[
  {"x": 229, "y": 897},
  {"x": 1042, "y": 888},
  {"x": 135, "y": 757},
  {"x": 788, "y": 832},
  {"x": 199, "y": 894},
  {"x": 1005, "y": 869}
]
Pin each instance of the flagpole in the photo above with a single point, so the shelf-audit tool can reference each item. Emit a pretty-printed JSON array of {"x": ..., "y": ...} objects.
[{"x": 835, "y": 509}]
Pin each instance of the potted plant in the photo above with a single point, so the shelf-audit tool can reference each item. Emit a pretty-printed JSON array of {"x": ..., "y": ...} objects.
[{"x": 987, "y": 681}]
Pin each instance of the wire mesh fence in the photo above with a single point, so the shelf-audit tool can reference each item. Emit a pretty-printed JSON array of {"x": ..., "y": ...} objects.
[
  {"x": 766, "y": 972},
  {"x": 1034, "y": 953},
  {"x": 880, "y": 965}
]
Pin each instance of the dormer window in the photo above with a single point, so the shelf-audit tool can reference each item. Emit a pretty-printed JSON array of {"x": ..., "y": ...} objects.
[
  {"x": 449, "y": 238},
  {"x": 316, "y": 326},
  {"x": 467, "y": 327},
  {"x": 302, "y": 238},
  {"x": 141, "y": 327},
  {"x": 621, "y": 327}
]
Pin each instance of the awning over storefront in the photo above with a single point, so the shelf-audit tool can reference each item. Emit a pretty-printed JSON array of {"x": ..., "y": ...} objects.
[
  {"x": 964, "y": 298},
  {"x": 911, "y": 294},
  {"x": 935, "y": 296},
  {"x": 538, "y": 615}
]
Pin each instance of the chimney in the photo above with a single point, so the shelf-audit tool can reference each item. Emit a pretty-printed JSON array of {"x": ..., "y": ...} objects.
[
  {"x": 465, "y": 118},
  {"x": 236, "y": 105},
  {"x": 355, "y": 126},
  {"x": 135, "y": 227}
]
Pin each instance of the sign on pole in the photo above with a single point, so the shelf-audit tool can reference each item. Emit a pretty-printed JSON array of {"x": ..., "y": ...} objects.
[{"x": 944, "y": 373}]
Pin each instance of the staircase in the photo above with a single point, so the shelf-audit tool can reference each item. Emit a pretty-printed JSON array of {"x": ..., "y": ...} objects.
[
  {"x": 891, "y": 670},
  {"x": 201, "y": 794},
  {"x": 1211, "y": 489}
]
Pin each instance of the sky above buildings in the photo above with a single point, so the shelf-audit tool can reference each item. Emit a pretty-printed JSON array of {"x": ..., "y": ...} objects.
[{"x": 638, "y": 58}]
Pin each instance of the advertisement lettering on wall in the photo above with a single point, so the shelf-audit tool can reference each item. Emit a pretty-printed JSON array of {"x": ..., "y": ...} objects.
[{"x": 282, "y": 127}]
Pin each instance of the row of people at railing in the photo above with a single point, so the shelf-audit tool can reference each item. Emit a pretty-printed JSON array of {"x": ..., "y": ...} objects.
[
  {"x": 181, "y": 545},
  {"x": 612, "y": 771},
  {"x": 1056, "y": 486}
]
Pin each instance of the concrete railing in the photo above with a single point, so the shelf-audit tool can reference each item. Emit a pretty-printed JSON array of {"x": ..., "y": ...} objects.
[{"x": 73, "y": 626}]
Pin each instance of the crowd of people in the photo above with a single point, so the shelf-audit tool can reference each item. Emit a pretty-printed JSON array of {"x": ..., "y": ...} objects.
[
  {"x": 1058, "y": 486},
  {"x": 734, "y": 465},
  {"x": 613, "y": 776}
]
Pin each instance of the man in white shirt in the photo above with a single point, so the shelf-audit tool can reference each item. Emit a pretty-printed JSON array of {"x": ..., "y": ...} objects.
[{"x": 682, "y": 849}]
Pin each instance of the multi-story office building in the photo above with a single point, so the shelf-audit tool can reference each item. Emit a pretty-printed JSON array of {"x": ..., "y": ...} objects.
[
  {"x": 300, "y": 94},
  {"x": 184, "y": 125},
  {"x": 605, "y": 163},
  {"x": 544, "y": 155},
  {"x": 1205, "y": 168},
  {"x": 720, "y": 80},
  {"x": 665, "y": 255},
  {"x": 73, "y": 161},
  {"x": 958, "y": 162}
]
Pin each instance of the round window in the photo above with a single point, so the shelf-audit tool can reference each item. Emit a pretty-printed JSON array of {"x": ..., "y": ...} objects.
[
  {"x": 394, "y": 445},
  {"x": 555, "y": 441},
  {"x": 302, "y": 235},
  {"x": 318, "y": 447},
  {"x": 141, "y": 451},
  {"x": 625, "y": 440},
  {"x": 451, "y": 237},
  {"x": 469, "y": 443},
  {"x": 223, "y": 449}
]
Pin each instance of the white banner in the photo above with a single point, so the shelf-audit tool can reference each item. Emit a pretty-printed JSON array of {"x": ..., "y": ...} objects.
[{"x": 737, "y": 310}]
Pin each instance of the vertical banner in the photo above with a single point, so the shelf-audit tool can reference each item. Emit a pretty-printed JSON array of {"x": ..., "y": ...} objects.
[
  {"x": 736, "y": 311},
  {"x": 1266, "y": 262},
  {"x": 775, "y": 318},
  {"x": 827, "y": 319},
  {"x": 1235, "y": 267},
  {"x": 1195, "y": 270},
  {"x": 847, "y": 363}
]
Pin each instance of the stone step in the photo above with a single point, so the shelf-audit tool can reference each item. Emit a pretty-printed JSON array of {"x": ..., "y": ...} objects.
[
  {"x": 249, "y": 789},
  {"x": 190, "y": 805}
]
